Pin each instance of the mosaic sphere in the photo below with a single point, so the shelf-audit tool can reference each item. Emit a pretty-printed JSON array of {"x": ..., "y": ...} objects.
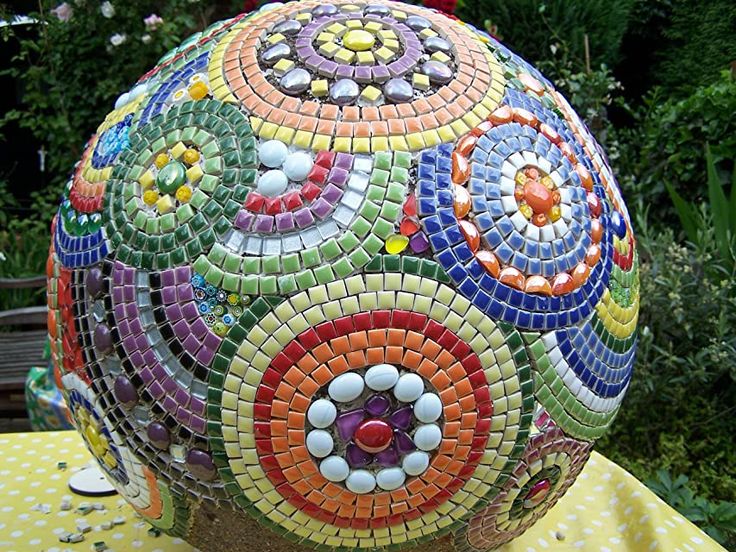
[{"x": 343, "y": 275}]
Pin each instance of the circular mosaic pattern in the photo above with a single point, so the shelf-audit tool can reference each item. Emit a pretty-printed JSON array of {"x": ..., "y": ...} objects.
[
  {"x": 357, "y": 77},
  {"x": 550, "y": 463},
  {"x": 342, "y": 276}
]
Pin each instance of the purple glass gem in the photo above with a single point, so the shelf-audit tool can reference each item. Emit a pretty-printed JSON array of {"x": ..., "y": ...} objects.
[
  {"x": 388, "y": 458},
  {"x": 356, "y": 457},
  {"x": 419, "y": 243},
  {"x": 103, "y": 339},
  {"x": 125, "y": 392},
  {"x": 95, "y": 280},
  {"x": 377, "y": 405},
  {"x": 200, "y": 464},
  {"x": 159, "y": 435},
  {"x": 401, "y": 418},
  {"x": 348, "y": 422},
  {"x": 403, "y": 442}
]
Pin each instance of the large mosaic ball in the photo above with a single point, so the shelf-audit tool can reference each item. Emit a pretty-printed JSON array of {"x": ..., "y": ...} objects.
[{"x": 339, "y": 275}]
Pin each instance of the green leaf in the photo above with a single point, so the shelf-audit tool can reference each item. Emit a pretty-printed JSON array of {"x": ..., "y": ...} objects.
[
  {"x": 686, "y": 212},
  {"x": 719, "y": 206}
]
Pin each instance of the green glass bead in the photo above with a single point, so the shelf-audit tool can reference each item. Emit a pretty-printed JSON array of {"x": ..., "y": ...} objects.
[{"x": 171, "y": 177}]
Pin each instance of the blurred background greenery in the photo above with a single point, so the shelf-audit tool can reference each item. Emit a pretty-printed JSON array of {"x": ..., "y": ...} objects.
[{"x": 655, "y": 81}]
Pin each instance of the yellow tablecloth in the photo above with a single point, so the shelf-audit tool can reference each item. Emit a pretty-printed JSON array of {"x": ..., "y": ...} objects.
[{"x": 606, "y": 510}]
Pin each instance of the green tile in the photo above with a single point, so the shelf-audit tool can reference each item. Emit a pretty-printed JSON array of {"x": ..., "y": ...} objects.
[{"x": 330, "y": 249}]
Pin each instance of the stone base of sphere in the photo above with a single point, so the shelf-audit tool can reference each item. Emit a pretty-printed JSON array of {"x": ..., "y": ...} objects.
[{"x": 344, "y": 276}]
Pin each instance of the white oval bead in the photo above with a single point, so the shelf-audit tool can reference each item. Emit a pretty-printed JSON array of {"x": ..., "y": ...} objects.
[
  {"x": 122, "y": 100},
  {"x": 409, "y": 388},
  {"x": 334, "y": 468},
  {"x": 381, "y": 377},
  {"x": 390, "y": 479},
  {"x": 322, "y": 413},
  {"x": 298, "y": 165},
  {"x": 415, "y": 463},
  {"x": 319, "y": 443},
  {"x": 346, "y": 387},
  {"x": 361, "y": 481},
  {"x": 428, "y": 437},
  {"x": 272, "y": 183},
  {"x": 428, "y": 408},
  {"x": 272, "y": 153}
]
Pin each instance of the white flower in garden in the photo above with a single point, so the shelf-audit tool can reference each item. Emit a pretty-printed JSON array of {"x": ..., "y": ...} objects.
[
  {"x": 152, "y": 22},
  {"x": 107, "y": 9},
  {"x": 146, "y": 38},
  {"x": 63, "y": 12},
  {"x": 117, "y": 39}
]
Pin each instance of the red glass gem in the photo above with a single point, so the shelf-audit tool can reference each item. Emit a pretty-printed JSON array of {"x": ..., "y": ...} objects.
[
  {"x": 538, "y": 196},
  {"x": 562, "y": 284},
  {"x": 408, "y": 227},
  {"x": 410, "y": 206},
  {"x": 373, "y": 436}
]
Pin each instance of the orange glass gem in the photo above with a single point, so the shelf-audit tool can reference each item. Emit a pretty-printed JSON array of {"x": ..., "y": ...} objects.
[
  {"x": 580, "y": 274},
  {"x": 503, "y": 114},
  {"x": 538, "y": 196},
  {"x": 482, "y": 128},
  {"x": 470, "y": 231},
  {"x": 585, "y": 177},
  {"x": 524, "y": 117},
  {"x": 460, "y": 168},
  {"x": 538, "y": 284},
  {"x": 462, "y": 202},
  {"x": 519, "y": 193},
  {"x": 539, "y": 219},
  {"x": 593, "y": 255},
  {"x": 466, "y": 144},
  {"x": 531, "y": 172},
  {"x": 408, "y": 227},
  {"x": 556, "y": 196},
  {"x": 562, "y": 284},
  {"x": 512, "y": 277},
  {"x": 532, "y": 84},
  {"x": 550, "y": 133},
  {"x": 489, "y": 262},
  {"x": 596, "y": 231},
  {"x": 567, "y": 152}
]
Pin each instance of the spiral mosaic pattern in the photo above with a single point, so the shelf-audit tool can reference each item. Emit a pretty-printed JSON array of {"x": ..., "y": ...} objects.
[{"x": 342, "y": 276}]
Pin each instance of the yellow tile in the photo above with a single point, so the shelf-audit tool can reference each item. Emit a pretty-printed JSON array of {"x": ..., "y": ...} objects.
[
  {"x": 387, "y": 34},
  {"x": 282, "y": 66},
  {"x": 370, "y": 93},
  {"x": 304, "y": 18},
  {"x": 398, "y": 143},
  {"x": 147, "y": 180},
  {"x": 337, "y": 29},
  {"x": 446, "y": 133},
  {"x": 268, "y": 130},
  {"x": 178, "y": 150},
  {"x": 384, "y": 54},
  {"x": 392, "y": 45},
  {"x": 255, "y": 123},
  {"x": 427, "y": 33},
  {"x": 342, "y": 144},
  {"x": 361, "y": 145},
  {"x": 420, "y": 81},
  {"x": 431, "y": 137},
  {"x": 319, "y": 88},
  {"x": 302, "y": 138},
  {"x": 459, "y": 127},
  {"x": 373, "y": 26},
  {"x": 321, "y": 142},
  {"x": 366, "y": 58},
  {"x": 194, "y": 173},
  {"x": 344, "y": 55},
  {"x": 165, "y": 204},
  {"x": 276, "y": 38},
  {"x": 354, "y": 24},
  {"x": 379, "y": 143},
  {"x": 442, "y": 57},
  {"x": 399, "y": 15},
  {"x": 325, "y": 37},
  {"x": 328, "y": 49},
  {"x": 285, "y": 134},
  {"x": 415, "y": 141}
]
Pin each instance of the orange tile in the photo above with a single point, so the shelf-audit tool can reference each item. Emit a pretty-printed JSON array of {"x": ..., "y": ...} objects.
[
  {"x": 466, "y": 437},
  {"x": 452, "y": 412},
  {"x": 278, "y": 428},
  {"x": 322, "y": 352},
  {"x": 388, "y": 112},
  {"x": 280, "y": 444},
  {"x": 364, "y": 501},
  {"x": 447, "y": 94},
  {"x": 405, "y": 110},
  {"x": 463, "y": 388},
  {"x": 329, "y": 112},
  {"x": 301, "y": 486},
  {"x": 412, "y": 359},
  {"x": 429, "y": 121},
  {"x": 399, "y": 507},
  {"x": 356, "y": 359},
  {"x": 308, "y": 387},
  {"x": 377, "y": 338},
  {"x": 370, "y": 113},
  {"x": 351, "y": 113},
  {"x": 421, "y": 106},
  {"x": 430, "y": 349},
  {"x": 396, "y": 127},
  {"x": 448, "y": 446},
  {"x": 292, "y": 474},
  {"x": 332, "y": 490},
  {"x": 364, "y": 513},
  {"x": 331, "y": 505},
  {"x": 285, "y": 391},
  {"x": 279, "y": 409},
  {"x": 379, "y": 128},
  {"x": 448, "y": 395},
  {"x": 294, "y": 376},
  {"x": 399, "y": 494},
  {"x": 296, "y": 420},
  {"x": 338, "y": 365},
  {"x": 396, "y": 337},
  {"x": 445, "y": 359},
  {"x": 413, "y": 341},
  {"x": 416, "y": 486},
  {"x": 358, "y": 340},
  {"x": 443, "y": 116},
  {"x": 455, "y": 110},
  {"x": 461, "y": 453},
  {"x": 310, "y": 108},
  {"x": 382, "y": 499},
  {"x": 375, "y": 355},
  {"x": 344, "y": 129},
  {"x": 415, "y": 501},
  {"x": 381, "y": 511},
  {"x": 346, "y": 511},
  {"x": 362, "y": 130},
  {"x": 467, "y": 403},
  {"x": 451, "y": 429},
  {"x": 440, "y": 380},
  {"x": 456, "y": 372},
  {"x": 469, "y": 419},
  {"x": 444, "y": 479},
  {"x": 394, "y": 354},
  {"x": 413, "y": 124},
  {"x": 325, "y": 127},
  {"x": 308, "y": 124},
  {"x": 465, "y": 103},
  {"x": 340, "y": 345},
  {"x": 427, "y": 368}
]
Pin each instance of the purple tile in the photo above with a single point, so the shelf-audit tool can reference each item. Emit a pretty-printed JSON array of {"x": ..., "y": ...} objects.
[
  {"x": 135, "y": 326},
  {"x": 169, "y": 385},
  {"x": 168, "y": 295},
  {"x": 344, "y": 161},
  {"x": 212, "y": 341},
  {"x": 168, "y": 278},
  {"x": 244, "y": 219},
  {"x": 173, "y": 313},
  {"x": 191, "y": 344},
  {"x": 338, "y": 176},
  {"x": 380, "y": 73},
  {"x": 198, "y": 328},
  {"x": 321, "y": 208},
  {"x": 136, "y": 359},
  {"x": 117, "y": 295},
  {"x": 181, "y": 329},
  {"x": 363, "y": 74},
  {"x": 205, "y": 355},
  {"x": 331, "y": 193},
  {"x": 169, "y": 405},
  {"x": 198, "y": 424},
  {"x": 184, "y": 292},
  {"x": 264, "y": 223},
  {"x": 131, "y": 310},
  {"x": 150, "y": 357},
  {"x": 284, "y": 221},
  {"x": 182, "y": 397},
  {"x": 123, "y": 328},
  {"x": 301, "y": 42},
  {"x": 119, "y": 310},
  {"x": 183, "y": 416},
  {"x": 314, "y": 62},
  {"x": 156, "y": 391},
  {"x": 129, "y": 344},
  {"x": 159, "y": 372},
  {"x": 129, "y": 277},
  {"x": 147, "y": 376},
  {"x": 141, "y": 342},
  {"x": 183, "y": 274},
  {"x": 117, "y": 274},
  {"x": 189, "y": 311},
  {"x": 344, "y": 72},
  {"x": 328, "y": 68},
  {"x": 128, "y": 294},
  {"x": 303, "y": 217},
  {"x": 197, "y": 406}
]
